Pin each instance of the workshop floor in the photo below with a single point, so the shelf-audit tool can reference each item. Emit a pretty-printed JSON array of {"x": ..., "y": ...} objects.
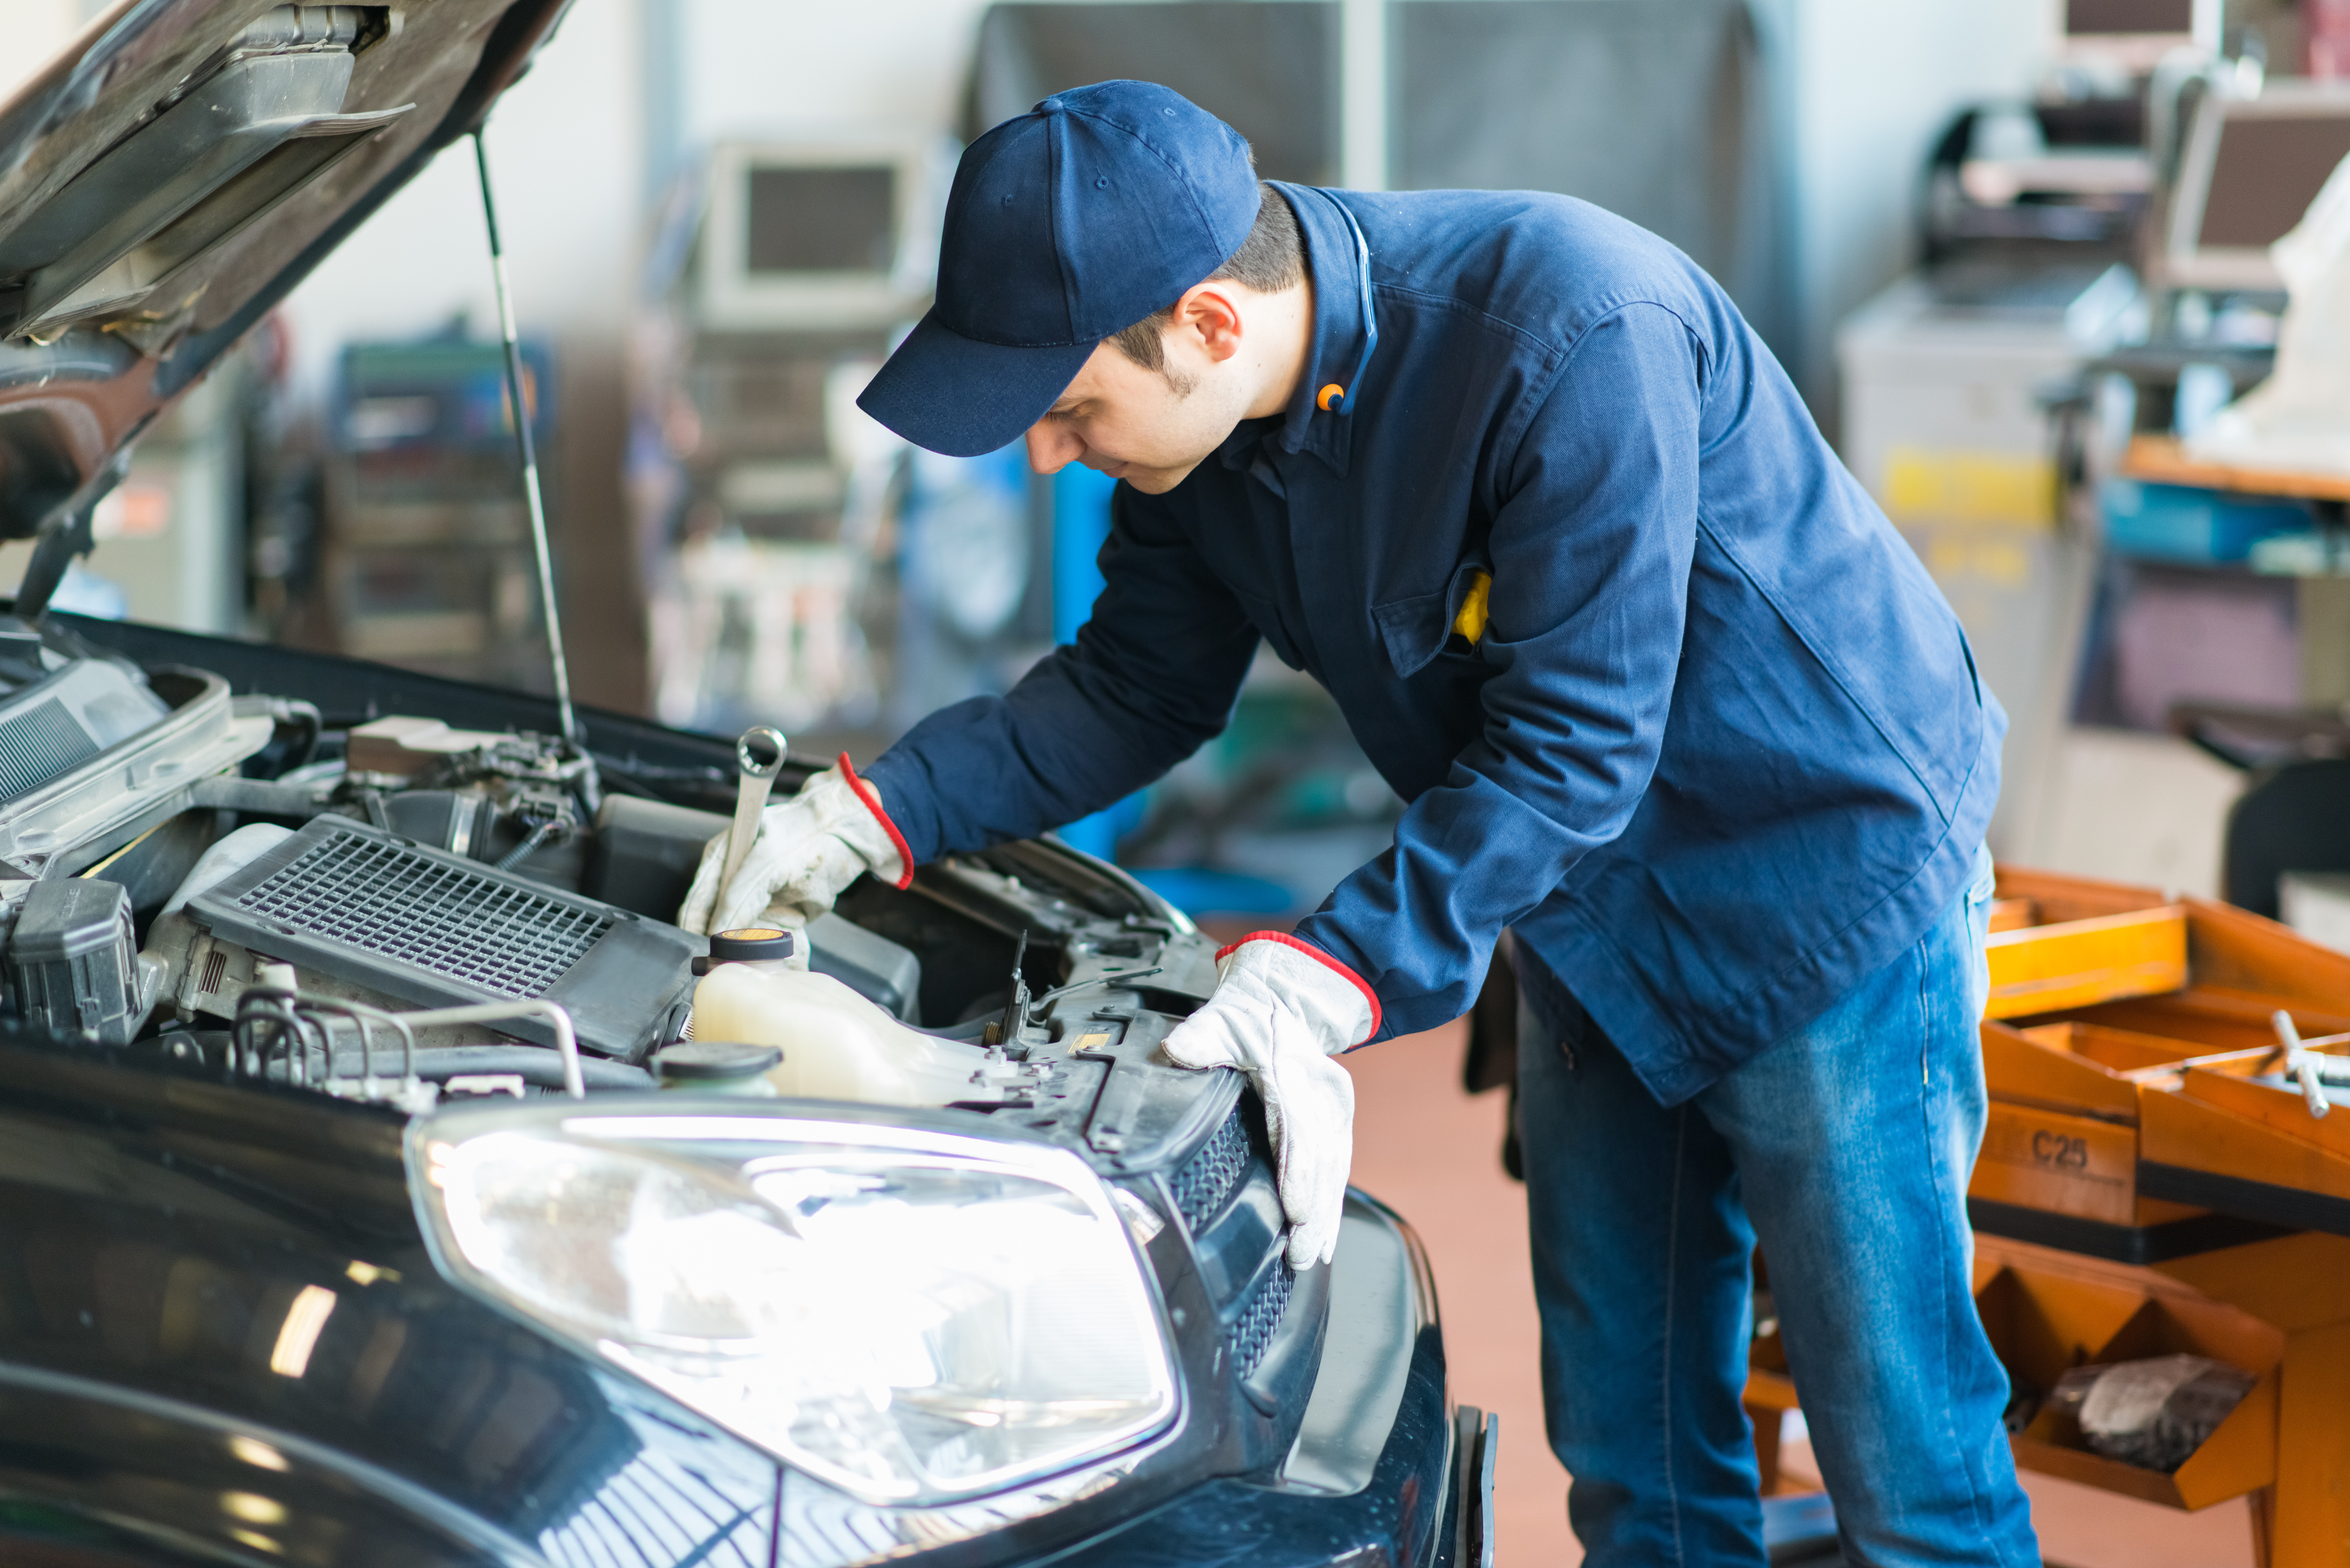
[{"x": 1433, "y": 1152}]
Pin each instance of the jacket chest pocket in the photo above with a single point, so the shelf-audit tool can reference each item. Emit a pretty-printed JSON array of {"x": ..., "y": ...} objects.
[{"x": 1418, "y": 629}]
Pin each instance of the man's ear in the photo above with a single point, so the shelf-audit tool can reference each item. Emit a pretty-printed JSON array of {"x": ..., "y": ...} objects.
[{"x": 1210, "y": 312}]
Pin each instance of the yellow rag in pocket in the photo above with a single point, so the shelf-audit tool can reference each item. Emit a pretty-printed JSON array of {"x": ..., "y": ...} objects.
[{"x": 1471, "y": 622}]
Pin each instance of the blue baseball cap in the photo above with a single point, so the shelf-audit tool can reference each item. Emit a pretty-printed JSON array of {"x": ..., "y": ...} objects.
[{"x": 1068, "y": 223}]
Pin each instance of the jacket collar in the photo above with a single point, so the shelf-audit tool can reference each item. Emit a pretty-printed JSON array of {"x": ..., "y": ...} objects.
[{"x": 1333, "y": 264}]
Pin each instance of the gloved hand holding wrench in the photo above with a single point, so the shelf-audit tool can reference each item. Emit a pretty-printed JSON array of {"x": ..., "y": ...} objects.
[{"x": 784, "y": 864}]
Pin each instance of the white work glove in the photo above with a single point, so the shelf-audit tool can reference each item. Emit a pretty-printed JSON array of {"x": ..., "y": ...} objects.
[
  {"x": 1281, "y": 1009},
  {"x": 810, "y": 848}
]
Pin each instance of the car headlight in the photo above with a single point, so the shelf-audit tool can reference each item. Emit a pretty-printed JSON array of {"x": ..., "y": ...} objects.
[{"x": 912, "y": 1315}]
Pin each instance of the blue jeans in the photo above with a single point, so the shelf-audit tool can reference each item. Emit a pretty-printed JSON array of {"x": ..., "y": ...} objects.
[{"x": 1844, "y": 1149}]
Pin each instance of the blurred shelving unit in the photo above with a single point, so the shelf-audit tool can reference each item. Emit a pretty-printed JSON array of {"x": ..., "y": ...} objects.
[{"x": 426, "y": 560}]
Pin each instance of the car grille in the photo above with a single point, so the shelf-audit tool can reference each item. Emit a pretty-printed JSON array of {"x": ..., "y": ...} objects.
[
  {"x": 1200, "y": 1189},
  {"x": 1209, "y": 1177},
  {"x": 1253, "y": 1329},
  {"x": 384, "y": 898}
]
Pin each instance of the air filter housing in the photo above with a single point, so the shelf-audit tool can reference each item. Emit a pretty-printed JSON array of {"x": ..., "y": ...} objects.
[{"x": 439, "y": 930}]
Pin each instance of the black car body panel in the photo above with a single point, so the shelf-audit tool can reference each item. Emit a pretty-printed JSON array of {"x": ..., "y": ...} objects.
[{"x": 156, "y": 1228}]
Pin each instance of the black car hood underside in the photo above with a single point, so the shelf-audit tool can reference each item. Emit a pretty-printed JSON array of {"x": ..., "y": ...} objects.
[{"x": 177, "y": 171}]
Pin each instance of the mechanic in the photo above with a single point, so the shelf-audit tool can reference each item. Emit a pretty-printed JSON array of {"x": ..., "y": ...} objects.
[{"x": 1665, "y": 693}]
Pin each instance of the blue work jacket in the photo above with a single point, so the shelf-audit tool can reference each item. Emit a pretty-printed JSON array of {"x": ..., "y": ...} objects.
[{"x": 1718, "y": 750}]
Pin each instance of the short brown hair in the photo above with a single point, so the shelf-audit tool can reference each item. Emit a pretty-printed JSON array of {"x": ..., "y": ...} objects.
[{"x": 1271, "y": 259}]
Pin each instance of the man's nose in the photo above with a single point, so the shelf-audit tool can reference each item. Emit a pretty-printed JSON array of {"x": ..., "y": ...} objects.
[{"x": 1050, "y": 449}]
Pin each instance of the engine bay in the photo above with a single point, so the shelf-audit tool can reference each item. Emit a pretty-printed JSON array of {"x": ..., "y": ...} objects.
[
  {"x": 335, "y": 887},
  {"x": 244, "y": 884}
]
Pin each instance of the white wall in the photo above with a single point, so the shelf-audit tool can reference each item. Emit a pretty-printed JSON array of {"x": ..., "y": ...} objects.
[
  {"x": 769, "y": 68},
  {"x": 1864, "y": 88},
  {"x": 565, "y": 149},
  {"x": 35, "y": 31}
]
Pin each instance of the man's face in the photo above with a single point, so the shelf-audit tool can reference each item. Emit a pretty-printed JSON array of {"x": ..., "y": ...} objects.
[{"x": 1135, "y": 424}]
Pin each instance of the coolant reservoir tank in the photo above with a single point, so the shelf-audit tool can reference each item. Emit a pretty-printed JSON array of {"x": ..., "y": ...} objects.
[{"x": 837, "y": 1045}]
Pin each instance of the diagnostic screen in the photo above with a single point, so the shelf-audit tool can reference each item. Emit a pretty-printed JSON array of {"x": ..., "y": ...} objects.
[
  {"x": 2090, "y": 18},
  {"x": 822, "y": 220},
  {"x": 2267, "y": 171}
]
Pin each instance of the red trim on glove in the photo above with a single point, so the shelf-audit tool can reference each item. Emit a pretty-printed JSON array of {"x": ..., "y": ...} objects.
[
  {"x": 1318, "y": 956},
  {"x": 872, "y": 799}
]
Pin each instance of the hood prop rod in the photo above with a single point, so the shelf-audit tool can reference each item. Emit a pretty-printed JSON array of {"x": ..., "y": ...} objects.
[{"x": 531, "y": 496}]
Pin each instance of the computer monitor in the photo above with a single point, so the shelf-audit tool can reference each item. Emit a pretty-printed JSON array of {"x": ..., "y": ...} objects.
[
  {"x": 812, "y": 237},
  {"x": 2133, "y": 35},
  {"x": 2250, "y": 169}
]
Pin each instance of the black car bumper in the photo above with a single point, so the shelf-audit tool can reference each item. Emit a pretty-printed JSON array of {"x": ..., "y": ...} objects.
[{"x": 1382, "y": 1473}]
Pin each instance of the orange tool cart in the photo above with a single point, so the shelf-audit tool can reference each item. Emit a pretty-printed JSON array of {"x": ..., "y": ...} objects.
[{"x": 2159, "y": 1175}]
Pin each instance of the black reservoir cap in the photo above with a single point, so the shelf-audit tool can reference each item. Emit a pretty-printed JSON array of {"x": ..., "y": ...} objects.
[{"x": 751, "y": 944}]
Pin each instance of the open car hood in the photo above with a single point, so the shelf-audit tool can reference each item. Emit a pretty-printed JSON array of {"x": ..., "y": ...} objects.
[{"x": 175, "y": 172}]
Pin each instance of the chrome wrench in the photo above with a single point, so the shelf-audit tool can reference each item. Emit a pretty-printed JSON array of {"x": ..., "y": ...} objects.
[
  {"x": 759, "y": 755},
  {"x": 2301, "y": 1063}
]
